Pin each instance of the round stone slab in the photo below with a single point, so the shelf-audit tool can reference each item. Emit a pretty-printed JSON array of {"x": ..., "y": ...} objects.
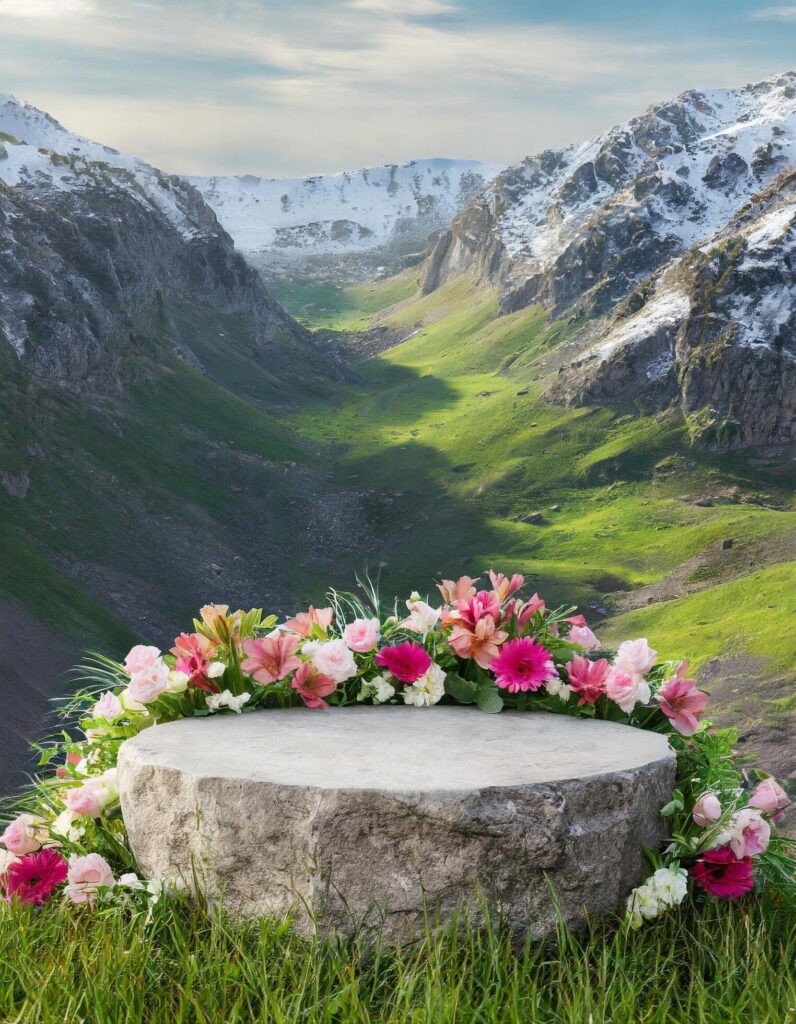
[{"x": 367, "y": 815}]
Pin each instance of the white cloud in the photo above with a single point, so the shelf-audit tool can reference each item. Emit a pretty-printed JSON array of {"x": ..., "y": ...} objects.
[
  {"x": 44, "y": 8},
  {"x": 399, "y": 8},
  {"x": 781, "y": 12}
]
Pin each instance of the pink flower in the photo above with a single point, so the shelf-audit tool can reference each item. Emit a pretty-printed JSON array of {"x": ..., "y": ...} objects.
[
  {"x": 504, "y": 587},
  {"x": 333, "y": 658},
  {"x": 33, "y": 878},
  {"x": 86, "y": 876},
  {"x": 461, "y": 590},
  {"x": 192, "y": 651},
  {"x": 481, "y": 643},
  {"x": 681, "y": 701},
  {"x": 108, "y": 707},
  {"x": 749, "y": 833},
  {"x": 89, "y": 800},
  {"x": 626, "y": 690},
  {"x": 587, "y": 678},
  {"x": 141, "y": 659},
  {"x": 271, "y": 658},
  {"x": 769, "y": 797},
  {"x": 523, "y": 665},
  {"x": 707, "y": 810},
  {"x": 315, "y": 618},
  {"x": 73, "y": 759},
  {"x": 24, "y": 835},
  {"x": 719, "y": 872},
  {"x": 530, "y": 608},
  {"x": 583, "y": 637},
  {"x": 407, "y": 661},
  {"x": 144, "y": 689},
  {"x": 635, "y": 657},
  {"x": 312, "y": 685},
  {"x": 362, "y": 635}
]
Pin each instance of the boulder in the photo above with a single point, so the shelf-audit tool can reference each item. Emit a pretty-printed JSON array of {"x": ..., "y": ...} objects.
[{"x": 370, "y": 815}]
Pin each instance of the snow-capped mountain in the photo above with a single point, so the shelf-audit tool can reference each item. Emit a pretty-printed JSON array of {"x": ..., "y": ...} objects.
[
  {"x": 380, "y": 210},
  {"x": 581, "y": 226},
  {"x": 714, "y": 330},
  {"x": 100, "y": 250}
]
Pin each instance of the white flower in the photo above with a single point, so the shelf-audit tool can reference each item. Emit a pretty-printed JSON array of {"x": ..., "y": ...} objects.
[
  {"x": 216, "y": 670},
  {"x": 666, "y": 888},
  {"x": 557, "y": 687},
  {"x": 176, "y": 681},
  {"x": 379, "y": 688},
  {"x": 422, "y": 618},
  {"x": 335, "y": 660},
  {"x": 65, "y": 827},
  {"x": 427, "y": 690},
  {"x": 129, "y": 703},
  {"x": 309, "y": 647},
  {"x": 227, "y": 699}
]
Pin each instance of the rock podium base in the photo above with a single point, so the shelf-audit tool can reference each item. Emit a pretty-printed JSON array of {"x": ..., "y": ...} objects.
[{"x": 366, "y": 815}]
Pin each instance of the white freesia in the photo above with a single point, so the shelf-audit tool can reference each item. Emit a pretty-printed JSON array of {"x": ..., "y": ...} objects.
[
  {"x": 334, "y": 659},
  {"x": 664, "y": 889},
  {"x": 422, "y": 616},
  {"x": 227, "y": 699},
  {"x": 427, "y": 690},
  {"x": 379, "y": 688}
]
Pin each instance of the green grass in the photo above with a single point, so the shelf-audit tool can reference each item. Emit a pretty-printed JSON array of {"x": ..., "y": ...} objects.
[
  {"x": 342, "y": 308},
  {"x": 725, "y": 964}
]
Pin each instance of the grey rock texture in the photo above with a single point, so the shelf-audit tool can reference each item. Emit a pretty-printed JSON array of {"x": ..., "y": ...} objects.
[{"x": 356, "y": 815}]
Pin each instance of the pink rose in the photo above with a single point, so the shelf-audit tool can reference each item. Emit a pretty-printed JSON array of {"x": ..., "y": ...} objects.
[
  {"x": 583, "y": 637},
  {"x": 769, "y": 797},
  {"x": 88, "y": 800},
  {"x": 23, "y": 836},
  {"x": 749, "y": 833},
  {"x": 635, "y": 657},
  {"x": 335, "y": 660},
  {"x": 141, "y": 659},
  {"x": 362, "y": 635},
  {"x": 626, "y": 690},
  {"x": 108, "y": 707},
  {"x": 707, "y": 810},
  {"x": 86, "y": 876}
]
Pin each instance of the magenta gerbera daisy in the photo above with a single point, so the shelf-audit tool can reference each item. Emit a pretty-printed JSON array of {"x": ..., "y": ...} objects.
[
  {"x": 31, "y": 879},
  {"x": 523, "y": 665}
]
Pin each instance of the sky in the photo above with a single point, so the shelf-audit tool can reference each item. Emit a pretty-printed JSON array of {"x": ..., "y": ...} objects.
[{"x": 296, "y": 87}]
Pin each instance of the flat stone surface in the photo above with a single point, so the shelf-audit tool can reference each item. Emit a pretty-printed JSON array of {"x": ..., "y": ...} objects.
[{"x": 360, "y": 812}]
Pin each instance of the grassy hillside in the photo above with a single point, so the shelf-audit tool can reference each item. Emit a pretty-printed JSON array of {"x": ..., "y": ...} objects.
[{"x": 598, "y": 506}]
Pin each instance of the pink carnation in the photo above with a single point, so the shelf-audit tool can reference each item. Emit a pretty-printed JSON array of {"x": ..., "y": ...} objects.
[
  {"x": 681, "y": 701},
  {"x": 407, "y": 661},
  {"x": 362, "y": 635},
  {"x": 587, "y": 678},
  {"x": 86, "y": 876},
  {"x": 721, "y": 873},
  {"x": 32, "y": 878},
  {"x": 523, "y": 665}
]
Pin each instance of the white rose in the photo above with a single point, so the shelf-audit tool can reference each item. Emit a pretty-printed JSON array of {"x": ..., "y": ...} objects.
[
  {"x": 427, "y": 690},
  {"x": 335, "y": 660}
]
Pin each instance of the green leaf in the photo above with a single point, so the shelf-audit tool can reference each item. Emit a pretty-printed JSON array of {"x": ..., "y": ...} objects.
[
  {"x": 462, "y": 690},
  {"x": 488, "y": 699}
]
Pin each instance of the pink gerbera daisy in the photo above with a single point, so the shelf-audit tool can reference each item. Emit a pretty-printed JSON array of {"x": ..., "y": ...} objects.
[
  {"x": 32, "y": 878},
  {"x": 523, "y": 665}
]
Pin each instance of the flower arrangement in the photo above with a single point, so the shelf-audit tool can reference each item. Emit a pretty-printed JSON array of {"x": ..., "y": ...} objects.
[{"x": 488, "y": 647}]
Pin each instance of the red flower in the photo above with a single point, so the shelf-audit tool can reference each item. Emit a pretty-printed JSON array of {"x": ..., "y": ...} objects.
[
  {"x": 312, "y": 685},
  {"x": 523, "y": 665},
  {"x": 32, "y": 878},
  {"x": 407, "y": 661},
  {"x": 721, "y": 873}
]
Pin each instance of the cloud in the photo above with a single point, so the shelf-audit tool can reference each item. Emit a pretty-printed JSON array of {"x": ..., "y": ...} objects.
[
  {"x": 782, "y": 12},
  {"x": 401, "y": 8},
  {"x": 44, "y": 8}
]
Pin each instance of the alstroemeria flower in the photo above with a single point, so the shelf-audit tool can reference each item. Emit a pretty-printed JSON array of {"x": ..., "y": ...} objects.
[
  {"x": 193, "y": 651},
  {"x": 505, "y": 587},
  {"x": 312, "y": 686},
  {"x": 482, "y": 643},
  {"x": 305, "y": 622},
  {"x": 681, "y": 701},
  {"x": 462, "y": 590},
  {"x": 270, "y": 658}
]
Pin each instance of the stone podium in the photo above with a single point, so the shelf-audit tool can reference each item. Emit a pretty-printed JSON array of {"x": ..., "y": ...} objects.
[{"x": 377, "y": 815}]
